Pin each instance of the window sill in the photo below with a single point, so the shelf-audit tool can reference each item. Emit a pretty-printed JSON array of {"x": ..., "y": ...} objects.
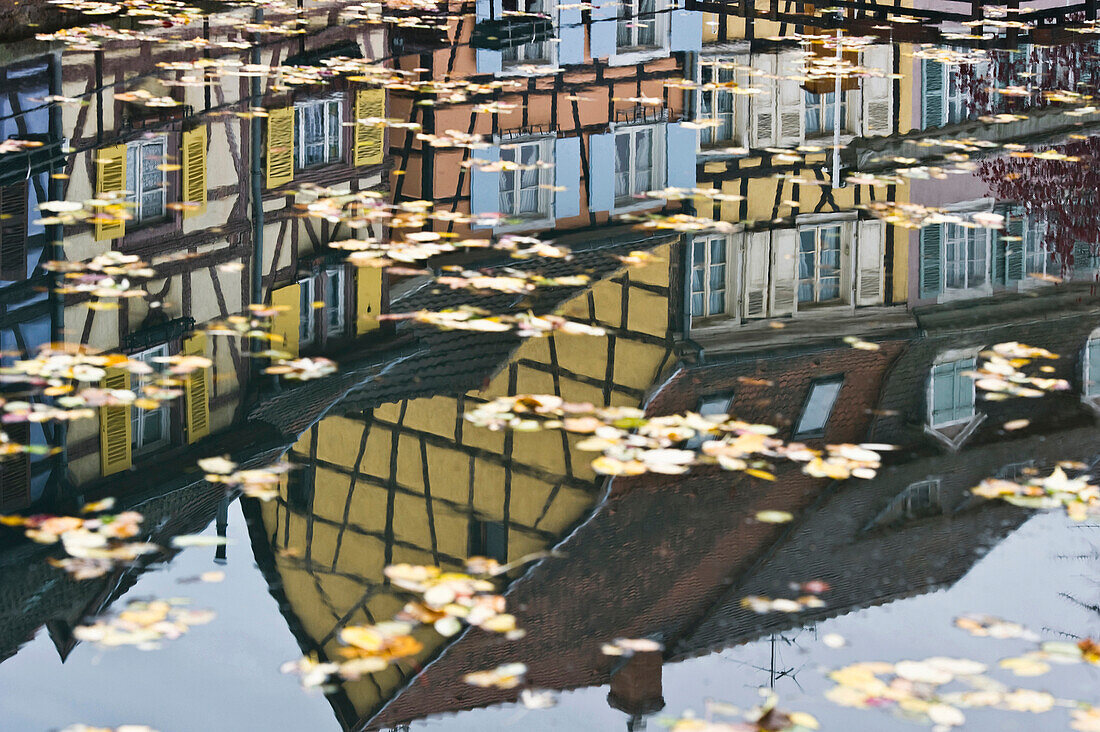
[
  {"x": 514, "y": 224},
  {"x": 152, "y": 233},
  {"x": 632, "y": 56},
  {"x": 643, "y": 205}
]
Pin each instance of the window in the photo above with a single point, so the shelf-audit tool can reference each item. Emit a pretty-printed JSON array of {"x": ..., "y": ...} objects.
[
  {"x": 951, "y": 397},
  {"x": 637, "y": 25},
  {"x": 318, "y": 132},
  {"x": 708, "y": 276},
  {"x": 635, "y": 168},
  {"x": 308, "y": 295},
  {"x": 534, "y": 51},
  {"x": 1037, "y": 260},
  {"x": 819, "y": 264},
  {"x": 821, "y": 112},
  {"x": 710, "y": 406},
  {"x": 146, "y": 181},
  {"x": 149, "y": 428},
  {"x": 487, "y": 539},
  {"x": 965, "y": 257},
  {"x": 715, "y": 102},
  {"x": 922, "y": 499},
  {"x": 524, "y": 190},
  {"x": 335, "y": 301},
  {"x": 818, "y": 407},
  {"x": 1091, "y": 387}
]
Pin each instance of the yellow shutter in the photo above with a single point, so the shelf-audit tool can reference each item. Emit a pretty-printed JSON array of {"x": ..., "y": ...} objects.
[
  {"x": 368, "y": 298},
  {"x": 114, "y": 427},
  {"x": 110, "y": 168},
  {"x": 280, "y": 146},
  {"x": 196, "y": 391},
  {"x": 194, "y": 170},
  {"x": 287, "y": 321},
  {"x": 368, "y": 138}
]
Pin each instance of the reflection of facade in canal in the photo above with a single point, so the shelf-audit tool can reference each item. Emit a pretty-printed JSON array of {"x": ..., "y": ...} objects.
[
  {"x": 583, "y": 117},
  {"x": 800, "y": 247},
  {"x": 393, "y": 473},
  {"x": 671, "y": 559},
  {"x": 185, "y": 169}
]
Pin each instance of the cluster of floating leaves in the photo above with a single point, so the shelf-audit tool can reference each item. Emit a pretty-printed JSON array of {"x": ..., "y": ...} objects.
[
  {"x": 808, "y": 601},
  {"x": 915, "y": 688},
  {"x": 633, "y": 444},
  {"x": 302, "y": 369},
  {"x": 915, "y": 216},
  {"x": 1000, "y": 375},
  {"x": 446, "y": 601},
  {"x": 261, "y": 483},
  {"x": 120, "y": 728},
  {"x": 1079, "y": 497},
  {"x": 94, "y": 546},
  {"x": 765, "y": 717},
  {"x": 144, "y": 624},
  {"x": 507, "y": 280},
  {"x": 421, "y": 245},
  {"x": 525, "y": 325},
  {"x": 108, "y": 275}
]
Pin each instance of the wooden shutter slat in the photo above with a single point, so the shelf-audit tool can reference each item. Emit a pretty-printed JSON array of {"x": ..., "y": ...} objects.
[
  {"x": 196, "y": 392},
  {"x": 13, "y": 231},
  {"x": 114, "y": 427},
  {"x": 194, "y": 170},
  {"x": 369, "y": 138},
  {"x": 110, "y": 178},
  {"x": 280, "y": 147}
]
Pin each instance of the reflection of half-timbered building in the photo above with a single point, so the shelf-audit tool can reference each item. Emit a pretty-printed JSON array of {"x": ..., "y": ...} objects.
[
  {"x": 580, "y": 116},
  {"x": 394, "y": 473},
  {"x": 772, "y": 121},
  {"x": 178, "y": 150}
]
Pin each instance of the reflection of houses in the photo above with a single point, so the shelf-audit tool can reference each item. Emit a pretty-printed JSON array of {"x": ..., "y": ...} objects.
[
  {"x": 573, "y": 132},
  {"x": 800, "y": 248},
  {"x": 393, "y": 473},
  {"x": 911, "y": 530},
  {"x": 183, "y": 168}
]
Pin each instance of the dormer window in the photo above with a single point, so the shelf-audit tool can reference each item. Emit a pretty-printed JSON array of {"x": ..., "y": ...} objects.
[{"x": 951, "y": 393}]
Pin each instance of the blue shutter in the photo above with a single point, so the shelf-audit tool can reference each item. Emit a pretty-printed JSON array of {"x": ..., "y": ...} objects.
[
  {"x": 1014, "y": 256},
  {"x": 601, "y": 172},
  {"x": 931, "y": 278},
  {"x": 571, "y": 34},
  {"x": 488, "y": 62},
  {"x": 484, "y": 185},
  {"x": 567, "y": 177},
  {"x": 932, "y": 96},
  {"x": 604, "y": 27},
  {"x": 687, "y": 30},
  {"x": 680, "y": 146}
]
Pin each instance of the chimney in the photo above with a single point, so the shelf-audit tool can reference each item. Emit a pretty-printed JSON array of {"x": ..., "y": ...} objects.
[{"x": 636, "y": 685}]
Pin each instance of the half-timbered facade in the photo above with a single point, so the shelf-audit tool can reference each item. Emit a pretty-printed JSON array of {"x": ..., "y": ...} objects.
[
  {"x": 163, "y": 150},
  {"x": 394, "y": 473}
]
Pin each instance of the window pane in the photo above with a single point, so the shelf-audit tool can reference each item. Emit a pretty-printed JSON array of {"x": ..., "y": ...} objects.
[
  {"x": 153, "y": 427},
  {"x": 718, "y": 277},
  {"x": 132, "y": 153},
  {"x": 819, "y": 406},
  {"x": 717, "y": 251},
  {"x": 717, "y": 303}
]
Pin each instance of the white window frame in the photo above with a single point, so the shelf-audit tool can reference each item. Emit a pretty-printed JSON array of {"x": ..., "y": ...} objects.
[
  {"x": 959, "y": 362},
  {"x": 657, "y": 178},
  {"x": 137, "y": 195},
  {"x": 627, "y": 55},
  {"x": 844, "y": 297},
  {"x": 714, "y": 66},
  {"x": 545, "y": 212},
  {"x": 1090, "y": 355},
  {"x": 299, "y": 139},
  {"x": 823, "y": 118},
  {"x": 335, "y": 318},
  {"x": 1034, "y": 233},
  {"x": 139, "y": 417},
  {"x": 307, "y": 325},
  {"x": 707, "y": 288},
  {"x": 968, "y": 235}
]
